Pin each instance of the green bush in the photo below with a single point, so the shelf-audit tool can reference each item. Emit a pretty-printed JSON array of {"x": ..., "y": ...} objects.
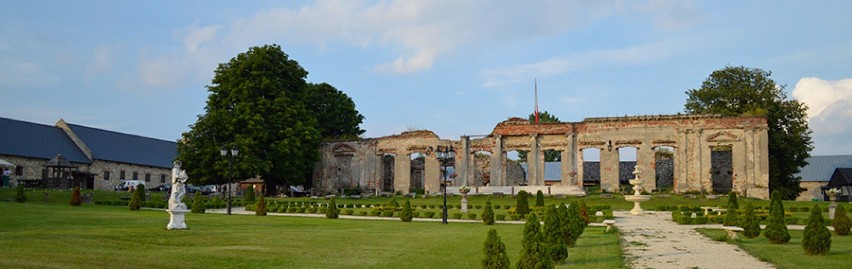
[
  {"x": 522, "y": 206},
  {"x": 374, "y": 213},
  {"x": 415, "y": 214},
  {"x": 387, "y": 213},
  {"x": 311, "y": 210},
  {"x": 20, "y": 194},
  {"x": 732, "y": 201},
  {"x": 135, "y": 201},
  {"x": 515, "y": 216},
  {"x": 198, "y": 203},
  {"x": 776, "y": 228},
  {"x": 496, "y": 206},
  {"x": 533, "y": 254},
  {"x": 457, "y": 215},
  {"x": 750, "y": 224},
  {"x": 471, "y": 215},
  {"x": 405, "y": 215},
  {"x": 488, "y": 214},
  {"x": 260, "y": 206},
  {"x": 346, "y": 212},
  {"x": 331, "y": 209},
  {"x": 495, "y": 252},
  {"x": 701, "y": 220},
  {"x": 281, "y": 209},
  {"x": 817, "y": 238},
  {"x": 75, "y": 197},
  {"x": 500, "y": 217},
  {"x": 539, "y": 199},
  {"x": 428, "y": 214},
  {"x": 249, "y": 195},
  {"x": 841, "y": 222},
  {"x": 393, "y": 203},
  {"x": 553, "y": 232}
]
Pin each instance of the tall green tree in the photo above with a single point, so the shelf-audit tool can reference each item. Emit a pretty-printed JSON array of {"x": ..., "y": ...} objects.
[
  {"x": 742, "y": 91},
  {"x": 495, "y": 252},
  {"x": 258, "y": 103},
  {"x": 776, "y": 228},
  {"x": 549, "y": 155},
  {"x": 335, "y": 112}
]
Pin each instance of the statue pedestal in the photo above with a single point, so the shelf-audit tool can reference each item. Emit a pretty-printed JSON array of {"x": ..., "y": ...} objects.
[
  {"x": 176, "y": 219},
  {"x": 464, "y": 203}
]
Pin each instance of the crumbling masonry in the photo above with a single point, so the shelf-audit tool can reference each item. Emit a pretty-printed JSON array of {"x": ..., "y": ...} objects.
[{"x": 711, "y": 154}]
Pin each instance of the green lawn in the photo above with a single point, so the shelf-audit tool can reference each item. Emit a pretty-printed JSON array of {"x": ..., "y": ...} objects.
[
  {"x": 791, "y": 255},
  {"x": 54, "y": 235}
]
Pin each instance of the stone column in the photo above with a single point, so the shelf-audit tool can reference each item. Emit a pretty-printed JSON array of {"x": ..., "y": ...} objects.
[
  {"x": 497, "y": 163},
  {"x": 402, "y": 173},
  {"x": 609, "y": 170},
  {"x": 432, "y": 174},
  {"x": 464, "y": 166},
  {"x": 580, "y": 171},
  {"x": 645, "y": 157},
  {"x": 533, "y": 174},
  {"x": 568, "y": 161}
]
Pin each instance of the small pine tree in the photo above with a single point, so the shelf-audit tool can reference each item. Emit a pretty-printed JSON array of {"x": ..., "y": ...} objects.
[
  {"x": 557, "y": 250},
  {"x": 732, "y": 201},
  {"x": 533, "y": 255},
  {"x": 495, "y": 252},
  {"x": 776, "y": 228},
  {"x": 198, "y": 205},
  {"x": 488, "y": 214},
  {"x": 539, "y": 199},
  {"x": 250, "y": 195},
  {"x": 817, "y": 239},
  {"x": 331, "y": 211},
  {"x": 564, "y": 223},
  {"x": 841, "y": 222},
  {"x": 584, "y": 212},
  {"x": 405, "y": 215},
  {"x": 731, "y": 217},
  {"x": 141, "y": 188},
  {"x": 750, "y": 224},
  {"x": 20, "y": 195},
  {"x": 75, "y": 197},
  {"x": 393, "y": 203},
  {"x": 135, "y": 201},
  {"x": 260, "y": 206},
  {"x": 522, "y": 204},
  {"x": 576, "y": 224}
]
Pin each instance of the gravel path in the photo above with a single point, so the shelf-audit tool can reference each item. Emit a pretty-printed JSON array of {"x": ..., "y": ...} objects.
[{"x": 654, "y": 241}]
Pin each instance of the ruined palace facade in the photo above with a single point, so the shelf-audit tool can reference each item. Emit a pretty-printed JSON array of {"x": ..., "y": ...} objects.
[{"x": 711, "y": 153}]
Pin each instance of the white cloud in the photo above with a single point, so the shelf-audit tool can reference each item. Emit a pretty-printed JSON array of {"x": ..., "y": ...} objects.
[
  {"x": 101, "y": 61},
  {"x": 193, "y": 37},
  {"x": 829, "y": 109}
]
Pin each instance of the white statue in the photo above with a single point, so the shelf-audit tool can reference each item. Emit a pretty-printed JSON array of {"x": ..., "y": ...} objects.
[{"x": 179, "y": 178}]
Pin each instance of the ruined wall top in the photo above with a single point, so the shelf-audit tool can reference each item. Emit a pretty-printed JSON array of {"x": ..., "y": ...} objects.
[
  {"x": 519, "y": 126},
  {"x": 412, "y": 134}
]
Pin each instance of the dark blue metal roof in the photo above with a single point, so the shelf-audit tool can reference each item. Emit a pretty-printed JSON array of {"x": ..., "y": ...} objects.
[
  {"x": 33, "y": 140},
  {"x": 820, "y": 168},
  {"x": 125, "y": 148}
]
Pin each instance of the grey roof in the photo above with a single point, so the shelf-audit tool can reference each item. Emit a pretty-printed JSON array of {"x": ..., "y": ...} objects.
[
  {"x": 820, "y": 168},
  {"x": 552, "y": 170},
  {"x": 125, "y": 148},
  {"x": 33, "y": 140}
]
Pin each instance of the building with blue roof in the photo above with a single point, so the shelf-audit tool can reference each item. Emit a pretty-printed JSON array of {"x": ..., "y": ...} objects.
[
  {"x": 101, "y": 158},
  {"x": 819, "y": 171}
]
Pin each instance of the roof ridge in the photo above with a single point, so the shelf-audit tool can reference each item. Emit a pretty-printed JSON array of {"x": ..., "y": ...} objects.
[{"x": 120, "y": 133}]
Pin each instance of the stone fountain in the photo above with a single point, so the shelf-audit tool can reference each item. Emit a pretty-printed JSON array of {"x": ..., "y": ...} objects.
[{"x": 637, "y": 198}]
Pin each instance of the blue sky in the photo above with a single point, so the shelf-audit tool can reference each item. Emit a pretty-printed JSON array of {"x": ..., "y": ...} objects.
[{"x": 453, "y": 67}]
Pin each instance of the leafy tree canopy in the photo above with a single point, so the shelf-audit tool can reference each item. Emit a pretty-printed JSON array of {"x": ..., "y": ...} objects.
[
  {"x": 260, "y": 104},
  {"x": 742, "y": 91},
  {"x": 549, "y": 155}
]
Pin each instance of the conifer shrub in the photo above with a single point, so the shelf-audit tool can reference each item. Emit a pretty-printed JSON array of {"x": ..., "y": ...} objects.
[
  {"x": 556, "y": 248},
  {"x": 488, "y": 214},
  {"x": 387, "y": 213},
  {"x": 405, "y": 215},
  {"x": 750, "y": 224},
  {"x": 428, "y": 214},
  {"x": 539, "y": 199},
  {"x": 259, "y": 206},
  {"x": 141, "y": 188},
  {"x": 841, "y": 222},
  {"x": 331, "y": 212},
  {"x": 522, "y": 206},
  {"x": 20, "y": 194},
  {"x": 731, "y": 217},
  {"x": 533, "y": 255},
  {"x": 817, "y": 238},
  {"x": 495, "y": 252},
  {"x": 75, "y": 197},
  {"x": 776, "y": 227},
  {"x": 575, "y": 224},
  {"x": 732, "y": 201},
  {"x": 393, "y": 203},
  {"x": 249, "y": 197},
  {"x": 135, "y": 201},
  {"x": 198, "y": 205}
]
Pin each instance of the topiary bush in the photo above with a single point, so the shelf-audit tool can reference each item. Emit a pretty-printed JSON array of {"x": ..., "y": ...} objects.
[
  {"x": 495, "y": 252},
  {"x": 20, "y": 194},
  {"x": 500, "y": 217},
  {"x": 556, "y": 248},
  {"x": 841, "y": 222},
  {"x": 331, "y": 211},
  {"x": 750, "y": 224},
  {"x": 259, "y": 206},
  {"x": 817, "y": 239},
  {"x": 249, "y": 196},
  {"x": 488, "y": 214},
  {"x": 75, "y": 197},
  {"x": 135, "y": 201},
  {"x": 405, "y": 215},
  {"x": 732, "y": 201},
  {"x": 574, "y": 223},
  {"x": 428, "y": 214},
  {"x": 141, "y": 188},
  {"x": 522, "y": 206},
  {"x": 387, "y": 213},
  {"x": 539, "y": 198},
  {"x": 776, "y": 227},
  {"x": 198, "y": 204},
  {"x": 457, "y": 215}
]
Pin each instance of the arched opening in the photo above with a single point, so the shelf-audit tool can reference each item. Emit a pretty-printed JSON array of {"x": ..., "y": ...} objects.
[
  {"x": 481, "y": 168},
  {"x": 626, "y": 165},
  {"x": 552, "y": 166},
  {"x": 388, "y": 161},
  {"x": 418, "y": 169},
  {"x": 664, "y": 166},
  {"x": 516, "y": 174},
  {"x": 721, "y": 168},
  {"x": 591, "y": 167}
]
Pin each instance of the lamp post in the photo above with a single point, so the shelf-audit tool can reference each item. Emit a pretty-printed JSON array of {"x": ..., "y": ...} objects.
[
  {"x": 444, "y": 156},
  {"x": 233, "y": 154}
]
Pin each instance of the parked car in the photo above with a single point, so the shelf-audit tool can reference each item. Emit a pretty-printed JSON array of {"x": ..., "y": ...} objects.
[
  {"x": 128, "y": 185},
  {"x": 208, "y": 189},
  {"x": 162, "y": 187}
]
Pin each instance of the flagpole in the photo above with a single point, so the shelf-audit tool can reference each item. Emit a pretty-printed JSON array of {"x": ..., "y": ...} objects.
[{"x": 535, "y": 81}]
